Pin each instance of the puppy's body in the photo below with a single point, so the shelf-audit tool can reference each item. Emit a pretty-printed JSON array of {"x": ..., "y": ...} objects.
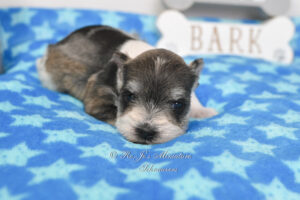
[{"x": 125, "y": 82}]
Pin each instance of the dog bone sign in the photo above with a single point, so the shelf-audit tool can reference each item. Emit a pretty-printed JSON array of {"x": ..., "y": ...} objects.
[{"x": 268, "y": 41}]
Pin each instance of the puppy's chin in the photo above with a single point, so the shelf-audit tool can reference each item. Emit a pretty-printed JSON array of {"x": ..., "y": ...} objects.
[{"x": 159, "y": 125}]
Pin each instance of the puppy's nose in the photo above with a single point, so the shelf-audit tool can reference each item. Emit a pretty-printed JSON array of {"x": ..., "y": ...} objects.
[{"x": 145, "y": 132}]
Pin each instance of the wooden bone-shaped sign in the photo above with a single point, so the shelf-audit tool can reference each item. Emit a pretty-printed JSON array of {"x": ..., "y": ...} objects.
[
  {"x": 268, "y": 41},
  {"x": 270, "y": 7}
]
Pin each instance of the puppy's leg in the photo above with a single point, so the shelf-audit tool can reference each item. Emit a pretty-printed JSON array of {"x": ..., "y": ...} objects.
[
  {"x": 99, "y": 101},
  {"x": 197, "y": 110}
]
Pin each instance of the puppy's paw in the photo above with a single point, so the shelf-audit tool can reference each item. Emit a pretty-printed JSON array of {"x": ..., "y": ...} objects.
[{"x": 203, "y": 113}]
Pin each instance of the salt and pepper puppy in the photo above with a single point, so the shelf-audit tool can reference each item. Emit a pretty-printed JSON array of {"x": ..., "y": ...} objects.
[{"x": 146, "y": 93}]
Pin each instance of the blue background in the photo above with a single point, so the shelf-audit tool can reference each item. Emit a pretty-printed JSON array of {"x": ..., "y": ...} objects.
[{"x": 51, "y": 149}]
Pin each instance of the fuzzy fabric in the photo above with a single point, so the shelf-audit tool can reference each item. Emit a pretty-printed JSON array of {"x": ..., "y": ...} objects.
[{"x": 51, "y": 149}]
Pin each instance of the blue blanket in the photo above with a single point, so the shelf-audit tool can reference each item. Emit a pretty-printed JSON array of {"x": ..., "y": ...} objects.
[{"x": 51, "y": 149}]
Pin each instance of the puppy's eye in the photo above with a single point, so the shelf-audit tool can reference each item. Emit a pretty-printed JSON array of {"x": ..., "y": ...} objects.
[
  {"x": 177, "y": 105},
  {"x": 128, "y": 96}
]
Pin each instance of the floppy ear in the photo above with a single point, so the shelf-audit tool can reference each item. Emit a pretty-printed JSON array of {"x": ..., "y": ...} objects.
[
  {"x": 196, "y": 67},
  {"x": 119, "y": 59}
]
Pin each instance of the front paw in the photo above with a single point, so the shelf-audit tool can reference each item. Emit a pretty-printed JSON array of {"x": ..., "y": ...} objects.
[
  {"x": 203, "y": 113},
  {"x": 103, "y": 112}
]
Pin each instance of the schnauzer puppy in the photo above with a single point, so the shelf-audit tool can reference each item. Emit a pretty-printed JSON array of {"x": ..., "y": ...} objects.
[{"x": 146, "y": 93}]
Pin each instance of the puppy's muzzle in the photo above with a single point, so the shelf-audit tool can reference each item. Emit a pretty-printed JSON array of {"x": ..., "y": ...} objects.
[{"x": 146, "y": 132}]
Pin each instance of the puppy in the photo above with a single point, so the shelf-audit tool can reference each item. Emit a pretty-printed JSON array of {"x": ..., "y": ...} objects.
[{"x": 146, "y": 93}]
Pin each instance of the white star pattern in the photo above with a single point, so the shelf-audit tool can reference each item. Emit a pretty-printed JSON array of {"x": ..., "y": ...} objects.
[
  {"x": 100, "y": 190},
  {"x": 267, "y": 95},
  {"x": 230, "y": 119},
  {"x": 293, "y": 78},
  {"x": 57, "y": 170},
  {"x": 17, "y": 155},
  {"x": 232, "y": 87},
  {"x": 24, "y": 16},
  {"x": 226, "y": 162},
  {"x": 248, "y": 76},
  {"x": 21, "y": 48},
  {"x": 67, "y": 135},
  {"x": 265, "y": 68},
  {"x": 192, "y": 184},
  {"x": 274, "y": 130},
  {"x": 179, "y": 147},
  {"x": 5, "y": 39},
  {"x": 14, "y": 86},
  {"x": 6, "y": 106},
  {"x": 249, "y": 106},
  {"x": 285, "y": 87},
  {"x": 111, "y": 19},
  {"x": 29, "y": 120},
  {"x": 6, "y": 195},
  {"x": 49, "y": 147},
  {"x": 209, "y": 132},
  {"x": 276, "y": 191},
  {"x": 68, "y": 16},
  {"x": 103, "y": 150},
  {"x": 252, "y": 146},
  {"x": 290, "y": 117},
  {"x": 70, "y": 114},
  {"x": 295, "y": 167},
  {"x": 44, "y": 31},
  {"x": 42, "y": 101}
]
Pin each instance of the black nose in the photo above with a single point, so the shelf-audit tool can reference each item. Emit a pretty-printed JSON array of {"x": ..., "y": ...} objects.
[{"x": 145, "y": 132}]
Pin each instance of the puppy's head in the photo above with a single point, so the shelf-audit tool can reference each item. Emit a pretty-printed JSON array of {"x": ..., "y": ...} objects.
[{"x": 154, "y": 95}]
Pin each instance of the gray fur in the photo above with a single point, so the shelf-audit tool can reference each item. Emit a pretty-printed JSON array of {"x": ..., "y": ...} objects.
[{"x": 139, "y": 95}]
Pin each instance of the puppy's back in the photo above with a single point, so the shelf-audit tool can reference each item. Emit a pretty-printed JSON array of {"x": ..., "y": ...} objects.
[{"x": 68, "y": 64}]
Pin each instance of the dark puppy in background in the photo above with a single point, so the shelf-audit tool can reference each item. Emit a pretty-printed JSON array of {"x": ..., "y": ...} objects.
[{"x": 146, "y": 93}]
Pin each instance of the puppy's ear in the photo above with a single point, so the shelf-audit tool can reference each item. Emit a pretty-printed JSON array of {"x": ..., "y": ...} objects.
[
  {"x": 196, "y": 67},
  {"x": 120, "y": 59}
]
